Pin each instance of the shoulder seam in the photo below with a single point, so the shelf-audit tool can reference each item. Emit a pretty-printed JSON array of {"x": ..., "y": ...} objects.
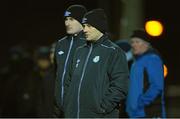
[
  {"x": 62, "y": 39},
  {"x": 108, "y": 46}
]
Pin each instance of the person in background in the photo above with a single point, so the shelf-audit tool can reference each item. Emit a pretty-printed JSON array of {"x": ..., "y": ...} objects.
[
  {"x": 146, "y": 91},
  {"x": 44, "y": 73},
  {"x": 126, "y": 47},
  {"x": 99, "y": 76},
  {"x": 64, "y": 51},
  {"x": 14, "y": 79}
]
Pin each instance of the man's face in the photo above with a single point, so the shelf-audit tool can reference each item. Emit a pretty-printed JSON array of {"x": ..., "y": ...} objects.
[
  {"x": 91, "y": 33},
  {"x": 138, "y": 46},
  {"x": 72, "y": 25}
]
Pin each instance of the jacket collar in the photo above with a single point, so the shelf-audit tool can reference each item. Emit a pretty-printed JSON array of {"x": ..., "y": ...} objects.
[
  {"x": 80, "y": 34},
  {"x": 99, "y": 41},
  {"x": 149, "y": 51}
]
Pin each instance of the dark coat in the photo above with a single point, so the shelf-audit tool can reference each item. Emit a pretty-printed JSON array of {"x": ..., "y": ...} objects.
[
  {"x": 64, "y": 51},
  {"x": 97, "y": 82}
]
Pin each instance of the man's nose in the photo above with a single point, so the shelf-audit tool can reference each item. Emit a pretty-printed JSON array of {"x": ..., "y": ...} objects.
[{"x": 67, "y": 22}]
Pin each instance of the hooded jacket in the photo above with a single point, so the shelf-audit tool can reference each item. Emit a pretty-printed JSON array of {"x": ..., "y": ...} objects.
[{"x": 97, "y": 82}]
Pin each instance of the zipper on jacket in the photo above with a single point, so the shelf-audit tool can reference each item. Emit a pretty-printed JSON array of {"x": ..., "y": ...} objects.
[
  {"x": 82, "y": 76},
  {"x": 64, "y": 72}
]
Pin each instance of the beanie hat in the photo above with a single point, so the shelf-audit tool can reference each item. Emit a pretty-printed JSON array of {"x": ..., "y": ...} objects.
[
  {"x": 97, "y": 19},
  {"x": 75, "y": 11},
  {"x": 140, "y": 33}
]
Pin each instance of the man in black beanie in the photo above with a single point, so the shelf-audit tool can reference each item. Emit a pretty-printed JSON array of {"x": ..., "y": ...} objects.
[
  {"x": 98, "y": 79},
  {"x": 64, "y": 51}
]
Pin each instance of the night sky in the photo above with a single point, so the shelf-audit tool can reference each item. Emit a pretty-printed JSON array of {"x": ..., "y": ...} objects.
[
  {"x": 167, "y": 44},
  {"x": 39, "y": 22}
]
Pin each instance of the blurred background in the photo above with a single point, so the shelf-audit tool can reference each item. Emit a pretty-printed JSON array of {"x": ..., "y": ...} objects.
[{"x": 31, "y": 27}]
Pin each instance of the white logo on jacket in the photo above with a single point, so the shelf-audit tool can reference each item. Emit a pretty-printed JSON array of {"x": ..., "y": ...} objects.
[
  {"x": 77, "y": 62},
  {"x": 60, "y": 52},
  {"x": 67, "y": 13},
  {"x": 96, "y": 59},
  {"x": 84, "y": 20}
]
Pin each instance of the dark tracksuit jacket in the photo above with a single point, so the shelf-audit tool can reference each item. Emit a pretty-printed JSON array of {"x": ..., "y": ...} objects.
[
  {"x": 97, "y": 82},
  {"x": 64, "y": 52}
]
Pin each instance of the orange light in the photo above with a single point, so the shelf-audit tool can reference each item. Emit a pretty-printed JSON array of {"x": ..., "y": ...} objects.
[
  {"x": 165, "y": 71},
  {"x": 154, "y": 28}
]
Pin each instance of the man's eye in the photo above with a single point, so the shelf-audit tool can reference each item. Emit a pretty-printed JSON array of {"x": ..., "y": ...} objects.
[
  {"x": 88, "y": 25},
  {"x": 71, "y": 19}
]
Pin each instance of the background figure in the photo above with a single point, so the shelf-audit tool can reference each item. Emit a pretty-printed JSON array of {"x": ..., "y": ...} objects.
[
  {"x": 126, "y": 47},
  {"x": 146, "y": 91},
  {"x": 14, "y": 78},
  {"x": 98, "y": 79},
  {"x": 44, "y": 73},
  {"x": 27, "y": 84},
  {"x": 64, "y": 51}
]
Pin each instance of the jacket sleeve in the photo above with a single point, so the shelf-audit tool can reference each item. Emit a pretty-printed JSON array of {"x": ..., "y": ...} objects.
[
  {"x": 154, "y": 70},
  {"x": 119, "y": 80},
  {"x": 54, "y": 58}
]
